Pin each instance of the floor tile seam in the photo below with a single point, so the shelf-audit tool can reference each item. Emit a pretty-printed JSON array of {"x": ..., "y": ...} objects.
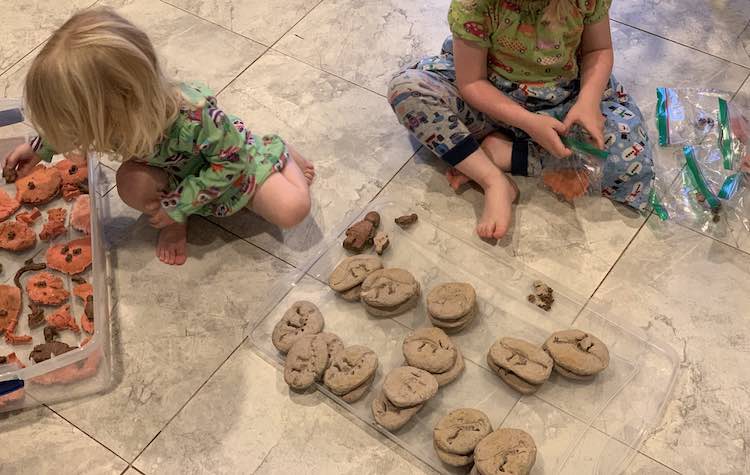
[{"x": 623, "y": 23}]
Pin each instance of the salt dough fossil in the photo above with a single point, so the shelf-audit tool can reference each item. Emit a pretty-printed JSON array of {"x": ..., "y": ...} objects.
[
  {"x": 302, "y": 318},
  {"x": 71, "y": 258},
  {"x": 359, "y": 236},
  {"x": 505, "y": 451},
  {"x": 40, "y": 186},
  {"x": 47, "y": 289},
  {"x": 577, "y": 354},
  {"x": 16, "y": 236},
  {"x": 8, "y": 205}
]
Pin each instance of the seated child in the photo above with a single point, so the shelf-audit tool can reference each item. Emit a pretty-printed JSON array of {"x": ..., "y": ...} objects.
[
  {"x": 515, "y": 77},
  {"x": 97, "y": 85}
]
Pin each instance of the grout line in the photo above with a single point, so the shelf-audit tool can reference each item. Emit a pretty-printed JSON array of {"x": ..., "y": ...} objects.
[
  {"x": 713, "y": 238},
  {"x": 746, "y": 81},
  {"x": 85, "y": 433},
  {"x": 679, "y": 43}
]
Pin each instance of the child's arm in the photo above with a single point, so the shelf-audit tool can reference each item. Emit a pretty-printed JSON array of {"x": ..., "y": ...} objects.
[
  {"x": 480, "y": 93},
  {"x": 597, "y": 59}
]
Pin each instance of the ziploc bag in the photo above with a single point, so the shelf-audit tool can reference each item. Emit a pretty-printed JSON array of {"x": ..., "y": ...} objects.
[
  {"x": 575, "y": 176},
  {"x": 687, "y": 115}
]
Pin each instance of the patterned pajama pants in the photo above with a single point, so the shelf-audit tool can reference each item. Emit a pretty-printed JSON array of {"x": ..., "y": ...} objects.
[{"x": 427, "y": 102}]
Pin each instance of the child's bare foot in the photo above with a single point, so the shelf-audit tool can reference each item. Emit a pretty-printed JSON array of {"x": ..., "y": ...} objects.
[
  {"x": 307, "y": 167},
  {"x": 499, "y": 197},
  {"x": 172, "y": 245},
  {"x": 456, "y": 179}
]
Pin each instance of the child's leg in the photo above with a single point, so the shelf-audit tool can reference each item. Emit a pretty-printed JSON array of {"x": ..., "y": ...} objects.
[
  {"x": 284, "y": 198},
  {"x": 140, "y": 187},
  {"x": 430, "y": 107}
]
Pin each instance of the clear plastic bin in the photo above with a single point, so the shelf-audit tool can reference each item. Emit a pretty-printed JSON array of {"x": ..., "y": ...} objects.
[
  {"x": 579, "y": 428},
  {"x": 79, "y": 372}
]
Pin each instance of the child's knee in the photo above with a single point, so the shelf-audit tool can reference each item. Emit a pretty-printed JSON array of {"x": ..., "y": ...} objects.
[
  {"x": 137, "y": 183},
  {"x": 295, "y": 209}
]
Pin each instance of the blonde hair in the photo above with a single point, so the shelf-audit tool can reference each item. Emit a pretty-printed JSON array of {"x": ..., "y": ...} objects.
[{"x": 97, "y": 85}]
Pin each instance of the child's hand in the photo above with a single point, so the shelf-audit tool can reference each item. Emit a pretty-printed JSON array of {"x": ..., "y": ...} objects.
[
  {"x": 588, "y": 116},
  {"x": 161, "y": 219},
  {"x": 20, "y": 161},
  {"x": 546, "y": 131}
]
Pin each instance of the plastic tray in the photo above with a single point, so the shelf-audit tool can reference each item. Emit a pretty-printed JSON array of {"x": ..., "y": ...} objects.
[
  {"x": 593, "y": 427},
  {"x": 76, "y": 373}
]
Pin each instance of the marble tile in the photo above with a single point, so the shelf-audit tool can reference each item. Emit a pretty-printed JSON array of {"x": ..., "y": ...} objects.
[
  {"x": 642, "y": 465},
  {"x": 173, "y": 32},
  {"x": 26, "y": 23},
  {"x": 329, "y": 121},
  {"x": 220, "y": 430},
  {"x": 132, "y": 471},
  {"x": 396, "y": 33},
  {"x": 264, "y": 22},
  {"x": 685, "y": 289},
  {"x": 166, "y": 341},
  {"x": 38, "y": 441},
  {"x": 718, "y": 27}
]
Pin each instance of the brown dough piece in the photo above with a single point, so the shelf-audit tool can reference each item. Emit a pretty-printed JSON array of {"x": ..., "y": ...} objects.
[
  {"x": 459, "y": 431},
  {"x": 570, "y": 375},
  {"x": 454, "y": 460},
  {"x": 49, "y": 349},
  {"x": 454, "y": 326},
  {"x": 505, "y": 452},
  {"x": 526, "y": 360},
  {"x": 302, "y": 318},
  {"x": 80, "y": 215},
  {"x": 306, "y": 361},
  {"x": 388, "y": 289},
  {"x": 511, "y": 379},
  {"x": 429, "y": 349},
  {"x": 408, "y": 386},
  {"x": 72, "y": 173},
  {"x": 387, "y": 312},
  {"x": 407, "y": 220},
  {"x": 72, "y": 257},
  {"x": 453, "y": 373},
  {"x": 360, "y": 234},
  {"x": 381, "y": 242},
  {"x": 543, "y": 296},
  {"x": 50, "y": 334},
  {"x": 577, "y": 352},
  {"x": 352, "y": 271},
  {"x": 10, "y": 305},
  {"x": 36, "y": 316},
  {"x": 16, "y": 236},
  {"x": 356, "y": 394},
  {"x": 389, "y": 416},
  {"x": 39, "y": 186},
  {"x": 350, "y": 369},
  {"x": 8, "y": 205},
  {"x": 333, "y": 343},
  {"x": 451, "y": 301},
  {"x": 351, "y": 295},
  {"x": 46, "y": 289}
]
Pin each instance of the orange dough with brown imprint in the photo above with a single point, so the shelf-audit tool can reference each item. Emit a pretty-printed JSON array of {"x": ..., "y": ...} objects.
[
  {"x": 16, "y": 236},
  {"x": 8, "y": 205},
  {"x": 71, "y": 258},
  {"x": 29, "y": 217},
  {"x": 569, "y": 184},
  {"x": 71, "y": 172},
  {"x": 46, "y": 289},
  {"x": 83, "y": 291},
  {"x": 10, "y": 305},
  {"x": 61, "y": 319},
  {"x": 39, "y": 186}
]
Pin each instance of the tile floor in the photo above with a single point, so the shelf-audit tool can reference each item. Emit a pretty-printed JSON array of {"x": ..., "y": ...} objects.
[{"x": 192, "y": 396}]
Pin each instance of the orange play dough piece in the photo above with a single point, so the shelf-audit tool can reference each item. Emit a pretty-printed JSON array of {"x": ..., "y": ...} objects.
[
  {"x": 18, "y": 394},
  {"x": 10, "y": 305},
  {"x": 568, "y": 183},
  {"x": 55, "y": 225},
  {"x": 71, "y": 172},
  {"x": 16, "y": 236},
  {"x": 71, "y": 258},
  {"x": 73, "y": 372},
  {"x": 83, "y": 291},
  {"x": 8, "y": 205},
  {"x": 29, "y": 217},
  {"x": 86, "y": 324},
  {"x": 80, "y": 216},
  {"x": 61, "y": 319},
  {"x": 39, "y": 186},
  {"x": 47, "y": 289}
]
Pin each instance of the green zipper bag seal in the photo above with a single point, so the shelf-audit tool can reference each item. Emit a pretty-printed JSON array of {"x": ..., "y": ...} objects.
[
  {"x": 730, "y": 186},
  {"x": 725, "y": 139},
  {"x": 656, "y": 205},
  {"x": 698, "y": 178},
  {"x": 661, "y": 116},
  {"x": 585, "y": 148}
]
